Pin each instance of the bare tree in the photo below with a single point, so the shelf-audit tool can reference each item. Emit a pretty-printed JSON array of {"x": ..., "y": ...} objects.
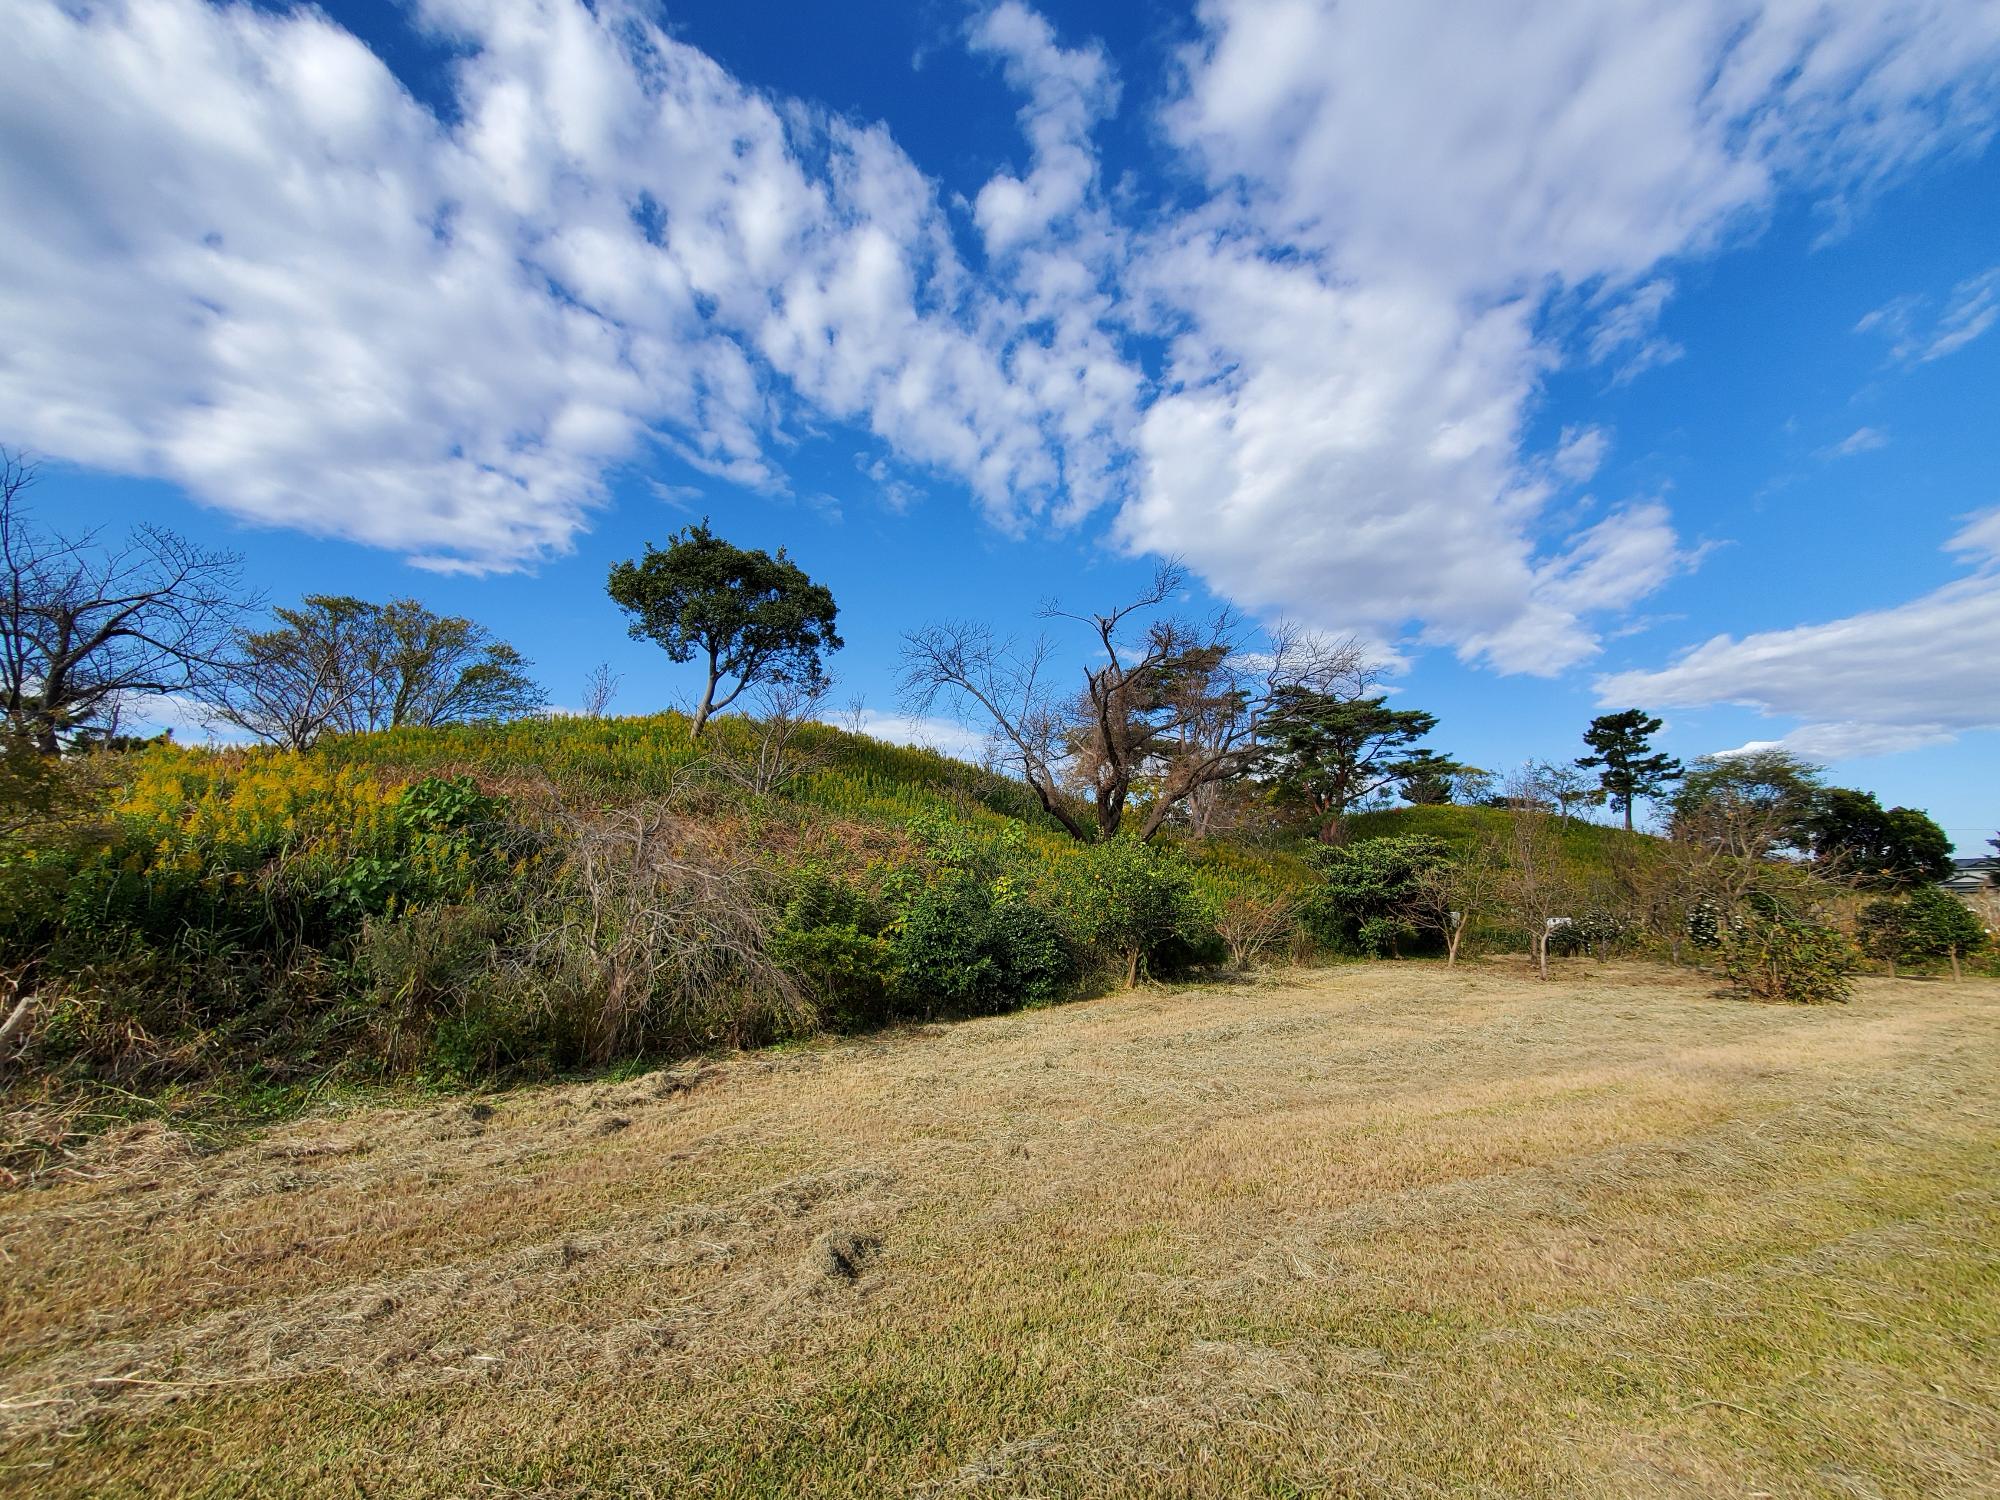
[
  {"x": 600, "y": 686},
  {"x": 669, "y": 933},
  {"x": 85, "y": 624},
  {"x": 1251, "y": 923},
  {"x": 1158, "y": 718},
  {"x": 1447, "y": 898},
  {"x": 780, "y": 747},
  {"x": 1533, "y": 884}
]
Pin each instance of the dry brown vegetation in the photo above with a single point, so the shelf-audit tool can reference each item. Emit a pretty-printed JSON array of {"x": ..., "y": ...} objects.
[{"x": 1380, "y": 1230}]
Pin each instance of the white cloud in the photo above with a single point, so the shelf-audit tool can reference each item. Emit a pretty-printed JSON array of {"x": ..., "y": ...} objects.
[
  {"x": 1861, "y": 440},
  {"x": 258, "y": 267},
  {"x": 946, "y": 736},
  {"x": 1580, "y": 454},
  {"x": 1893, "y": 679},
  {"x": 1979, "y": 537},
  {"x": 1400, "y": 191},
  {"x": 1068, "y": 91},
  {"x": 1971, "y": 310}
]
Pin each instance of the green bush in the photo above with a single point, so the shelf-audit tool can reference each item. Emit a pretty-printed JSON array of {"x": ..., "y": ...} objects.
[
  {"x": 1926, "y": 925},
  {"x": 964, "y": 945},
  {"x": 848, "y": 972},
  {"x": 1136, "y": 906},
  {"x": 1774, "y": 955},
  {"x": 1367, "y": 889}
]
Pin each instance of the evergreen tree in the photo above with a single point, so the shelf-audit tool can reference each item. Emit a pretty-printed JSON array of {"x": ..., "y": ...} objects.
[
  {"x": 1330, "y": 752},
  {"x": 1895, "y": 848},
  {"x": 747, "y": 616},
  {"x": 1630, "y": 767}
]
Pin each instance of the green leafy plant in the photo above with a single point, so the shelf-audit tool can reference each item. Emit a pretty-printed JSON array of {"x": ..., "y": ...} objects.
[
  {"x": 1137, "y": 905},
  {"x": 1926, "y": 925},
  {"x": 1769, "y": 952},
  {"x": 1371, "y": 890}
]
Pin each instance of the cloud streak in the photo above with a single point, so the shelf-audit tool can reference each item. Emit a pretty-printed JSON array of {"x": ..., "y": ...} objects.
[{"x": 1885, "y": 680}]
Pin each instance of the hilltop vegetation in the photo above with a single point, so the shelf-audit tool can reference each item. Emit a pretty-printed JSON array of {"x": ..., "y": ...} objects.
[
  {"x": 504, "y": 900},
  {"x": 421, "y": 877}
]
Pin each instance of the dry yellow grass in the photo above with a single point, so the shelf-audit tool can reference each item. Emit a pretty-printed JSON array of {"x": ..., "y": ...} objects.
[{"x": 1382, "y": 1230}]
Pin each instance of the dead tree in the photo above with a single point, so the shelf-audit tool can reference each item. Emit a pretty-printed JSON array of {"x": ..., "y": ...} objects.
[{"x": 85, "y": 624}]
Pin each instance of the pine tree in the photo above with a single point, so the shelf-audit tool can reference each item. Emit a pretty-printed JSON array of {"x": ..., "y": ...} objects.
[{"x": 1631, "y": 768}]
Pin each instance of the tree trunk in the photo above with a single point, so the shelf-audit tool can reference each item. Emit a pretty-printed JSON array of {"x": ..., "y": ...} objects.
[
  {"x": 1132, "y": 970},
  {"x": 1955, "y": 975},
  {"x": 707, "y": 697},
  {"x": 1628, "y": 814},
  {"x": 16, "y": 1016},
  {"x": 1542, "y": 955},
  {"x": 1452, "y": 939}
]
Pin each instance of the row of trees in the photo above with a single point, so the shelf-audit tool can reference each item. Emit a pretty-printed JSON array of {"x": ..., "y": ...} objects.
[
  {"x": 88, "y": 627},
  {"x": 1726, "y": 884},
  {"x": 1173, "y": 719}
]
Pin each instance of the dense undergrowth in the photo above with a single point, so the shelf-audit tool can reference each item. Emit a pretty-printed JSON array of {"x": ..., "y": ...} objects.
[
  {"x": 508, "y": 901},
  {"x": 454, "y": 907}
]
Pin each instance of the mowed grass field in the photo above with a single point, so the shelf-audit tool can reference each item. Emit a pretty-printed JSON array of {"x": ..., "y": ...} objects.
[{"x": 1374, "y": 1230}]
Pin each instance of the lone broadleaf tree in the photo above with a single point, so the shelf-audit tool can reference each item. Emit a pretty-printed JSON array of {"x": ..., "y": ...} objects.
[
  {"x": 747, "y": 616},
  {"x": 1631, "y": 768},
  {"x": 1894, "y": 848}
]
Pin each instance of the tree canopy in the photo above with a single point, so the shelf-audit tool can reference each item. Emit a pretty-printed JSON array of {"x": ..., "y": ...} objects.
[
  {"x": 1751, "y": 806},
  {"x": 1628, "y": 766},
  {"x": 748, "y": 616},
  {"x": 1882, "y": 848},
  {"x": 1925, "y": 923},
  {"x": 337, "y": 663},
  {"x": 1328, "y": 752}
]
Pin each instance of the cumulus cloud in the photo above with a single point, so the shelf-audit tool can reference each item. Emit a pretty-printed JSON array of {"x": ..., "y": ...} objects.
[
  {"x": 1404, "y": 197},
  {"x": 1885, "y": 680},
  {"x": 258, "y": 267}
]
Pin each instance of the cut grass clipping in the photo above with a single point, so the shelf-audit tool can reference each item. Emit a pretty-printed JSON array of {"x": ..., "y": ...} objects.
[{"x": 1377, "y": 1231}]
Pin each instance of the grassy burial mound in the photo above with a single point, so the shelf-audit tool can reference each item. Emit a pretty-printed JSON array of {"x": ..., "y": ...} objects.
[{"x": 1382, "y": 1230}]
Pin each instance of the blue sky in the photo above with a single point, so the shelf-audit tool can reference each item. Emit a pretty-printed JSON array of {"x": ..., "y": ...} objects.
[{"x": 1580, "y": 356}]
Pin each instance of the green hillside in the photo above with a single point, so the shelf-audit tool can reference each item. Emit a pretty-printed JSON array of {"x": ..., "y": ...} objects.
[{"x": 1594, "y": 850}]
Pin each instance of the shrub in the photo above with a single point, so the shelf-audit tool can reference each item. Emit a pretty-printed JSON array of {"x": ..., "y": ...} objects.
[
  {"x": 1774, "y": 955},
  {"x": 1369, "y": 891},
  {"x": 1925, "y": 925},
  {"x": 966, "y": 946},
  {"x": 1251, "y": 922},
  {"x": 850, "y": 973},
  {"x": 1137, "y": 905},
  {"x": 1595, "y": 931}
]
